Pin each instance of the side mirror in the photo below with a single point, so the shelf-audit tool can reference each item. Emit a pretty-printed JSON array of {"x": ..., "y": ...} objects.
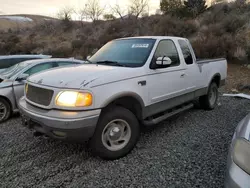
[
  {"x": 163, "y": 61},
  {"x": 22, "y": 77}
]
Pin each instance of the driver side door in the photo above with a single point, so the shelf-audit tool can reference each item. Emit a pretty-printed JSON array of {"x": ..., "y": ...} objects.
[
  {"x": 19, "y": 85},
  {"x": 165, "y": 83}
]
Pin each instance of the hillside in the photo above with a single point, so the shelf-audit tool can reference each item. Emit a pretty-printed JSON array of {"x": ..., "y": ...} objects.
[
  {"x": 21, "y": 21},
  {"x": 221, "y": 31}
]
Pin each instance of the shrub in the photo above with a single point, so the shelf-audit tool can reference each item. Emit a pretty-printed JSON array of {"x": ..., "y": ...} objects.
[
  {"x": 211, "y": 46},
  {"x": 232, "y": 23},
  {"x": 170, "y": 6},
  {"x": 62, "y": 51},
  {"x": 77, "y": 44},
  {"x": 13, "y": 39},
  {"x": 195, "y": 7},
  {"x": 172, "y": 26}
]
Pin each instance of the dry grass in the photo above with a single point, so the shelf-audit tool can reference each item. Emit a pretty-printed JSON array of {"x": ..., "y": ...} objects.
[{"x": 237, "y": 75}]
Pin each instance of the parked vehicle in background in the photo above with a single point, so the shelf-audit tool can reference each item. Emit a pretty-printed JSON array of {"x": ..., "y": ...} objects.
[
  {"x": 12, "y": 81},
  {"x": 238, "y": 164},
  {"x": 128, "y": 82},
  {"x": 10, "y": 60}
]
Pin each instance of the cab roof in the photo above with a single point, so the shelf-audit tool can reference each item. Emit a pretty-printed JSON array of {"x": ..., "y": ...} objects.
[
  {"x": 154, "y": 37},
  {"x": 25, "y": 56}
]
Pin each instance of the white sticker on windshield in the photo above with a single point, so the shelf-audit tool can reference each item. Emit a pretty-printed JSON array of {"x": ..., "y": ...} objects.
[{"x": 140, "y": 45}]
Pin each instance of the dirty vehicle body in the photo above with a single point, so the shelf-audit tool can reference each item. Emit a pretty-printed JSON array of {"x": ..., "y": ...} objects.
[
  {"x": 238, "y": 164},
  {"x": 129, "y": 82},
  {"x": 10, "y": 60},
  {"x": 12, "y": 81}
]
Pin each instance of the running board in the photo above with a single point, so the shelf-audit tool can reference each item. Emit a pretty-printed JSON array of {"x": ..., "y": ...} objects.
[{"x": 167, "y": 115}]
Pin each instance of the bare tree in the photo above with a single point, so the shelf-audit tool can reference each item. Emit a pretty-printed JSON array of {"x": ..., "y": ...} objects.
[
  {"x": 118, "y": 11},
  {"x": 92, "y": 10},
  {"x": 82, "y": 14},
  {"x": 138, "y": 7},
  {"x": 65, "y": 14}
]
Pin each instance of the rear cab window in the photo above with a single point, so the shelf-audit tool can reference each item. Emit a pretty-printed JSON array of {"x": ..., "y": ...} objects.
[{"x": 186, "y": 52}]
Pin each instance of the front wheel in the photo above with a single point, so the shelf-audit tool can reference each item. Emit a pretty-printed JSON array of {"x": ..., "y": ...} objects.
[
  {"x": 116, "y": 134},
  {"x": 209, "y": 101},
  {"x": 5, "y": 110}
]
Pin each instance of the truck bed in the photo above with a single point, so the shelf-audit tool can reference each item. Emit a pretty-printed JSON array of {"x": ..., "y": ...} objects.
[{"x": 203, "y": 61}]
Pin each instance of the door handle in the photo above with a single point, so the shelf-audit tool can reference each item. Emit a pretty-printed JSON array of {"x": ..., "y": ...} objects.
[{"x": 183, "y": 75}]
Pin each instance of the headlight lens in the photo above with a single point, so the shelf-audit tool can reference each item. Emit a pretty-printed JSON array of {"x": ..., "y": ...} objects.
[
  {"x": 73, "y": 99},
  {"x": 241, "y": 154},
  {"x": 26, "y": 88}
]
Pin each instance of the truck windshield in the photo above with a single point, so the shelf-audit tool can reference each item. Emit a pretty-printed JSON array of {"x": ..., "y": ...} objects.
[
  {"x": 11, "y": 71},
  {"x": 124, "y": 52}
]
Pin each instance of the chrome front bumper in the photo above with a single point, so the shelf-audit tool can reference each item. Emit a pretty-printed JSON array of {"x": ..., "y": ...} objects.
[{"x": 60, "y": 124}]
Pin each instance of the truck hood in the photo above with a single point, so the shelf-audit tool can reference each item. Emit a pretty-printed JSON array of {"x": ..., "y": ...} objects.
[{"x": 79, "y": 77}]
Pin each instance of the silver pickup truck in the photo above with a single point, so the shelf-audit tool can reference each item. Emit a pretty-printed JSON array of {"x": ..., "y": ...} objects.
[
  {"x": 12, "y": 81},
  {"x": 129, "y": 82}
]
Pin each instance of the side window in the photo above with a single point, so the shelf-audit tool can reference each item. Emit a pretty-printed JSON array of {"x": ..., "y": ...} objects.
[
  {"x": 64, "y": 63},
  {"x": 16, "y": 60},
  {"x": 39, "y": 68},
  {"x": 167, "y": 48},
  {"x": 4, "y": 64},
  {"x": 186, "y": 52}
]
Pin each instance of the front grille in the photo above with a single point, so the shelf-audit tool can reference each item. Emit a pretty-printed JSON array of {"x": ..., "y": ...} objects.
[{"x": 39, "y": 95}]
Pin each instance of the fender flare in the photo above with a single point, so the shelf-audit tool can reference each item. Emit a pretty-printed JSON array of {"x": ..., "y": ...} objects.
[
  {"x": 210, "y": 82},
  {"x": 123, "y": 94}
]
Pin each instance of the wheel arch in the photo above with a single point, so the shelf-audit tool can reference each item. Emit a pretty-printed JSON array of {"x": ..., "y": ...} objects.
[
  {"x": 8, "y": 100},
  {"x": 215, "y": 78},
  {"x": 128, "y": 100}
]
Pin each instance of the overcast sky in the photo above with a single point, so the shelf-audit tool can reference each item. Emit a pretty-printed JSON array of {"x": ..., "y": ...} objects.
[{"x": 51, "y": 7}]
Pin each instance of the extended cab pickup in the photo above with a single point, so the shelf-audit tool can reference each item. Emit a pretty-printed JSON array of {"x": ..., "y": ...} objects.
[{"x": 129, "y": 82}]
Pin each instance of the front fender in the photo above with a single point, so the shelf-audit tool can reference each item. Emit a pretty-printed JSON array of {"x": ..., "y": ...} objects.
[
  {"x": 7, "y": 93},
  {"x": 120, "y": 95}
]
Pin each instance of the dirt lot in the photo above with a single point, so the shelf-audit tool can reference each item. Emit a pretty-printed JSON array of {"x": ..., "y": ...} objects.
[{"x": 189, "y": 150}]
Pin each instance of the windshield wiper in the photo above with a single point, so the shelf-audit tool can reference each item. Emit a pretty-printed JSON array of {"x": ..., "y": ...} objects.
[
  {"x": 89, "y": 61},
  {"x": 115, "y": 63}
]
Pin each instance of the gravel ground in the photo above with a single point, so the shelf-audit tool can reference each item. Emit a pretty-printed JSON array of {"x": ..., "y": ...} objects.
[{"x": 189, "y": 150}]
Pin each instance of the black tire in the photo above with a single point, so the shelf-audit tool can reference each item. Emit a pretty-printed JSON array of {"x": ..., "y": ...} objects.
[
  {"x": 7, "y": 110},
  {"x": 205, "y": 101},
  {"x": 97, "y": 146}
]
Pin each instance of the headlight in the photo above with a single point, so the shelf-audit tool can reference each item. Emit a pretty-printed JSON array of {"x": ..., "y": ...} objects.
[
  {"x": 26, "y": 88},
  {"x": 73, "y": 99},
  {"x": 241, "y": 154}
]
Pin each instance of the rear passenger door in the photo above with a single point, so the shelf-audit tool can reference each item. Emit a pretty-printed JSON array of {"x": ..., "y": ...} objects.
[
  {"x": 19, "y": 85},
  {"x": 192, "y": 70}
]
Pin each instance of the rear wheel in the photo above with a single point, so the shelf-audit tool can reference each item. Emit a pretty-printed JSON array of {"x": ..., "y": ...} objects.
[
  {"x": 209, "y": 101},
  {"x": 5, "y": 110},
  {"x": 116, "y": 134}
]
